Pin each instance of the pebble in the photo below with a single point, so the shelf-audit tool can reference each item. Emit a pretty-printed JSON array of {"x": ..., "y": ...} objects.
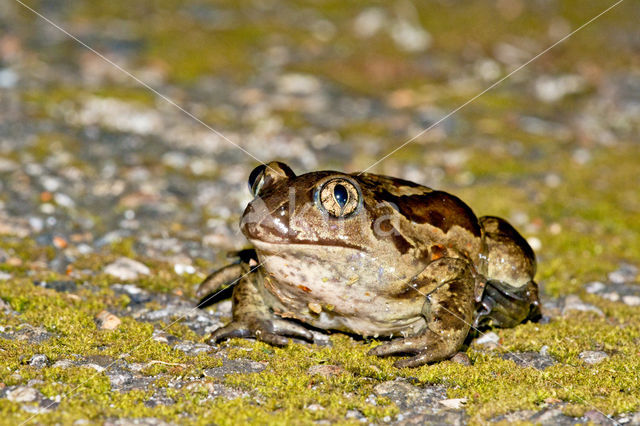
[
  {"x": 369, "y": 22},
  {"x": 63, "y": 363},
  {"x": 409, "y": 36},
  {"x": 39, "y": 361},
  {"x": 8, "y": 78},
  {"x": 126, "y": 269},
  {"x": 105, "y": 320},
  {"x": 631, "y": 300},
  {"x": 23, "y": 394},
  {"x": 625, "y": 273},
  {"x": 532, "y": 359},
  {"x": 490, "y": 340},
  {"x": 596, "y": 417},
  {"x": 593, "y": 357},
  {"x": 298, "y": 84},
  {"x": 574, "y": 303},
  {"x": 595, "y": 286},
  {"x": 181, "y": 269},
  {"x": 135, "y": 293},
  {"x": 461, "y": 358},
  {"x": 454, "y": 403},
  {"x": 4, "y": 276},
  {"x": 315, "y": 407},
  {"x": 325, "y": 370}
]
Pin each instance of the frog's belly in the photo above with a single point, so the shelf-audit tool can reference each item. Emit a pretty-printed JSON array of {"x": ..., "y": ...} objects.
[{"x": 351, "y": 296}]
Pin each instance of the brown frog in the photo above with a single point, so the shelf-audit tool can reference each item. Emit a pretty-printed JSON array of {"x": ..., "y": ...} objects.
[{"x": 374, "y": 256}]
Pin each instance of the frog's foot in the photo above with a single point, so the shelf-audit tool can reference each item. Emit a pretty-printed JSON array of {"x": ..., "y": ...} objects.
[
  {"x": 426, "y": 348},
  {"x": 505, "y": 306},
  {"x": 274, "y": 331}
]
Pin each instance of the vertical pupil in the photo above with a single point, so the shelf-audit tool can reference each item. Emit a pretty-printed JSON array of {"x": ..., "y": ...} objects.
[{"x": 341, "y": 195}]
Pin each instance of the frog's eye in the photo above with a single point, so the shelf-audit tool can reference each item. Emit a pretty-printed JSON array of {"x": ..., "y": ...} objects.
[
  {"x": 256, "y": 179},
  {"x": 266, "y": 175},
  {"x": 339, "y": 197}
]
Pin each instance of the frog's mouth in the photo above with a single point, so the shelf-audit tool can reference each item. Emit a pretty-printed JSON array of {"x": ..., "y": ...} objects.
[{"x": 280, "y": 246}]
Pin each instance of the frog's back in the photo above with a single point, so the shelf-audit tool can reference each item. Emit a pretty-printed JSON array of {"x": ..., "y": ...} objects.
[{"x": 437, "y": 223}]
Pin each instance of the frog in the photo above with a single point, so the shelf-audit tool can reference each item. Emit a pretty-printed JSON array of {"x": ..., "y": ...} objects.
[{"x": 372, "y": 256}]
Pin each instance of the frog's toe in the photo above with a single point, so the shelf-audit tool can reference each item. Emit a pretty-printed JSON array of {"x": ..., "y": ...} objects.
[
  {"x": 273, "y": 331},
  {"x": 424, "y": 348},
  {"x": 288, "y": 328},
  {"x": 271, "y": 338},
  {"x": 229, "y": 331},
  {"x": 395, "y": 347},
  {"x": 415, "y": 361}
]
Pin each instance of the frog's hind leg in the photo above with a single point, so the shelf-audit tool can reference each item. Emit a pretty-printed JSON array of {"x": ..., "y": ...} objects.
[
  {"x": 448, "y": 311},
  {"x": 227, "y": 276},
  {"x": 510, "y": 295}
]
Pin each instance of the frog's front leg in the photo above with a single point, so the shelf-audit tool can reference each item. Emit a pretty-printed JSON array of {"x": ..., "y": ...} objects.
[
  {"x": 253, "y": 318},
  {"x": 448, "y": 285}
]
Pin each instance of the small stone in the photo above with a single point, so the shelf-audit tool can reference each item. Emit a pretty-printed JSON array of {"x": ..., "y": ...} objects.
[
  {"x": 135, "y": 293},
  {"x": 63, "y": 363},
  {"x": 23, "y": 394},
  {"x": 39, "y": 361},
  {"x": 593, "y": 357},
  {"x": 58, "y": 285},
  {"x": 219, "y": 390},
  {"x": 298, "y": 84},
  {"x": 596, "y": 417},
  {"x": 354, "y": 414},
  {"x": 595, "y": 287},
  {"x": 490, "y": 340},
  {"x": 60, "y": 242},
  {"x": 8, "y": 78},
  {"x": 5, "y": 276},
  {"x": 625, "y": 273},
  {"x": 530, "y": 359},
  {"x": 105, "y": 320},
  {"x": 573, "y": 303},
  {"x": 611, "y": 295},
  {"x": 631, "y": 300},
  {"x": 326, "y": 370},
  {"x": 454, "y": 403},
  {"x": 461, "y": 358},
  {"x": 409, "y": 36},
  {"x": 535, "y": 243},
  {"x": 369, "y": 22},
  {"x": 181, "y": 268},
  {"x": 126, "y": 269},
  {"x": 315, "y": 407}
]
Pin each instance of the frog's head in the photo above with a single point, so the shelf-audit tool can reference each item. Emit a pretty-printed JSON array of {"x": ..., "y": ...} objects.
[
  {"x": 327, "y": 221},
  {"x": 322, "y": 208}
]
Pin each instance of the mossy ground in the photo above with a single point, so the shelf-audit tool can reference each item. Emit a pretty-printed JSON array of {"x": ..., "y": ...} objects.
[{"x": 582, "y": 210}]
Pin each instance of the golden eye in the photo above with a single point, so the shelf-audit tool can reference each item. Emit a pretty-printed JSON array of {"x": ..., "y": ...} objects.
[{"x": 339, "y": 197}]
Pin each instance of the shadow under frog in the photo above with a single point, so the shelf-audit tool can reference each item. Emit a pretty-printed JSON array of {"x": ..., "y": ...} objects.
[{"x": 374, "y": 256}]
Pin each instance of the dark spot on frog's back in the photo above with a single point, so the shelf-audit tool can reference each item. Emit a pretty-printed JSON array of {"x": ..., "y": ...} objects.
[{"x": 436, "y": 208}]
